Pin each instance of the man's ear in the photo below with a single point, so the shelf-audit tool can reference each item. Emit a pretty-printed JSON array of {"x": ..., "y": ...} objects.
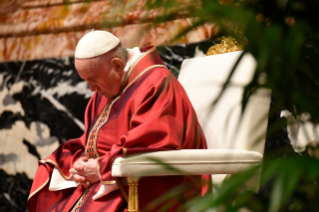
[{"x": 118, "y": 65}]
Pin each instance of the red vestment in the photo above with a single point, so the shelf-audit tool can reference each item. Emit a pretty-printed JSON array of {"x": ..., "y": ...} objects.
[{"x": 151, "y": 113}]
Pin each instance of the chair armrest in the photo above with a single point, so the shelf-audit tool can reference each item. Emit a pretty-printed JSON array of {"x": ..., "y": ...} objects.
[{"x": 187, "y": 161}]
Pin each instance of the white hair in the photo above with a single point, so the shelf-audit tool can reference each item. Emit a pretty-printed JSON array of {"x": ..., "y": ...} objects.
[{"x": 119, "y": 51}]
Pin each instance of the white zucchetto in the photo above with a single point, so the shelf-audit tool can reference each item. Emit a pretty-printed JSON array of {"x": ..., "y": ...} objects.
[{"x": 95, "y": 43}]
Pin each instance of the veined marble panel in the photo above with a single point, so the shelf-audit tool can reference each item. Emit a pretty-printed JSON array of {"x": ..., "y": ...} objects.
[
  {"x": 63, "y": 44},
  {"x": 41, "y": 14},
  {"x": 38, "y": 29},
  {"x": 77, "y": 16},
  {"x": 42, "y": 104}
]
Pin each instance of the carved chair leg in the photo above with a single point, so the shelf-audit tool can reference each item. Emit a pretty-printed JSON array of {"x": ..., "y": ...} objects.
[{"x": 133, "y": 194}]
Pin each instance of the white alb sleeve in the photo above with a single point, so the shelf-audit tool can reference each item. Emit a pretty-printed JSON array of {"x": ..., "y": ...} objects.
[{"x": 59, "y": 183}]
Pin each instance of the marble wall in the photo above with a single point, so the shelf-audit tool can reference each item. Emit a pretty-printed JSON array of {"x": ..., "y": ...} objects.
[
  {"x": 43, "y": 104},
  {"x": 38, "y": 29}
]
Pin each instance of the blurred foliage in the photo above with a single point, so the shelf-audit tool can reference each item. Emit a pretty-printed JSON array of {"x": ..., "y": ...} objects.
[
  {"x": 287, "y": 184},
  {"x": 283, "y": 36}
]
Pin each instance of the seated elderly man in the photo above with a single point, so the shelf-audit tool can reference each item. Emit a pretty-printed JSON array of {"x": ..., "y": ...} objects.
[{"x": 138, "y": 106}]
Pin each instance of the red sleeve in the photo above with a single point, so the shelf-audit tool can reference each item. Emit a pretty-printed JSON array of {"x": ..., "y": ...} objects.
[
  {"x": 67, "y": 153},
  {"x": 163, "y": 120}
]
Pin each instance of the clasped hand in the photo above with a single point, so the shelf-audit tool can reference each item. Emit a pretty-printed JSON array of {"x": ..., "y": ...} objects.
[{"x": 85, "y": 171}]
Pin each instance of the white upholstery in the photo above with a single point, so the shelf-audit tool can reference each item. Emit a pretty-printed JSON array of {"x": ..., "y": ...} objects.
[
  {"x": 191, "y": 162},
  {"x": 223, "y": 127}
]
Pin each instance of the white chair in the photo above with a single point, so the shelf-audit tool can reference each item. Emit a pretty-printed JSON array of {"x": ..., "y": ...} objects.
[{"x": 231, "y": 138}]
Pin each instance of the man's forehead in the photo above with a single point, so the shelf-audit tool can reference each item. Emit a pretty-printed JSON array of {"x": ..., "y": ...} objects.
[
  {"x": 80, "y": 62},
  {"x": 85, "y": 64},
  {"x": 89, "y": 61}
]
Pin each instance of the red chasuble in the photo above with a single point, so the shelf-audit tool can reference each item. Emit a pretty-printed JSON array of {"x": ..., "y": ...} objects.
[{"x": 151, "y": 113}]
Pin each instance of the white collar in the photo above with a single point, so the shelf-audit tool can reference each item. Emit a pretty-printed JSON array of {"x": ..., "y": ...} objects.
[{"x": 136, "y": 54}]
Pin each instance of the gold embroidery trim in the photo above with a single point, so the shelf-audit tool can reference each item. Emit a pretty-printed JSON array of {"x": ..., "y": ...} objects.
[
  {"x": 83, "y": 197},
  {"x": 33, "y": 193},
  {"x": 95, "y": 137},
  {"x": 138, "y": 60},
  {"x": 138, "y": 76},
  {"x": 99, "y": 127},
  {"x": 111, "y": 182},
  {"x": 97, "y": 131},
  {"x": 58, "y": 168}
]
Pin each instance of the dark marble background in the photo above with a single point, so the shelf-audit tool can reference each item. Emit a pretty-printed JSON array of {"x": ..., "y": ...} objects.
[{"x": 53, "y": 94}]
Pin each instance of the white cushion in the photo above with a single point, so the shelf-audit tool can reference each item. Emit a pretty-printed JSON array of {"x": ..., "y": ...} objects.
[
  {"x": 223, "y": 125},
  {"x": 189, "y": 161}
]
